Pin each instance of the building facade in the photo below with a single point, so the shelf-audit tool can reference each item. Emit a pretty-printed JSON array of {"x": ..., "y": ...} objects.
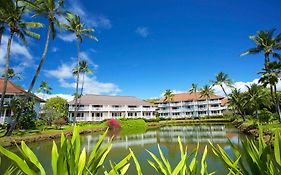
[
  {"x": 101, "y": 107},
  {"x": 13, "y": 91},
  {"x": 191, "y": 105}
]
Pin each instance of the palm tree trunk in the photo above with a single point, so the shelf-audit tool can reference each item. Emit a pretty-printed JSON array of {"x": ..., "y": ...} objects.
[
  {"x": 1, "y": 33},
  {"x": 277, "y": 103},
  {"x": 41, "y": 61},
  {"x": 6, "y": 72},
  {"x": 77, "y": 82},
  {"x": 83, "y": 77},
  {"x": 224, "y": 91},
  {"x": 266, "y": 59},
  {"x": 208, "y": 107}
]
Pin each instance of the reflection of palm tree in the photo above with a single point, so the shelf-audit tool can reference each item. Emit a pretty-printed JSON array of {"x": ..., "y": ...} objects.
[
  {"x": 193, "y": 89},
  {"x": 207, "y": 92},
  {"x": 168, "y": 97}
]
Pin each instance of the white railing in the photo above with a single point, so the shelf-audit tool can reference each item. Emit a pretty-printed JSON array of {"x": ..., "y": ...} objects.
[{"x": 112, "y": 109}]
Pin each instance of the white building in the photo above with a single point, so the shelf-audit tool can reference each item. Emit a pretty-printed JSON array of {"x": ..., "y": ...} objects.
[
  {"x": 191, "y": 105},
  {"x": 14, "y": 91},
  {"x": 102, "y": 107}
]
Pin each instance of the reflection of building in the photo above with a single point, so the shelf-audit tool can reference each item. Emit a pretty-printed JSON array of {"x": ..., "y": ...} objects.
[
  {"x": 14, "y": 91},
  {"x": 101, "y": 107},
  {"x": 191, "y": 105}
]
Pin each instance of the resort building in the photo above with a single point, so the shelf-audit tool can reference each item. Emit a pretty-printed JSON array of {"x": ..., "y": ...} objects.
[
  {"x": 101, "y": 107},
  {"x": 191, "y": 105},
  {"x": 13, "y": 91}
]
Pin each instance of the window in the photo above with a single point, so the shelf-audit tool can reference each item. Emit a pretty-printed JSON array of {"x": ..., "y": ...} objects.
[{"x": 97, "y": 106}]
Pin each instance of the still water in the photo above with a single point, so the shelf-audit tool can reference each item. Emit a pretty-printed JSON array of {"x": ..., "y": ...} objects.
[{"x": 165, "y": 136}]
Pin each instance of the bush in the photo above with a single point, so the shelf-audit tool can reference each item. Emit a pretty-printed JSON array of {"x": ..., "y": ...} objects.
[
  {"x": 60, "y": 122},
  {"x": 27, "y": 120},
  {"x": 40, "y": 123},
  {"x": 113, "y": 124}
]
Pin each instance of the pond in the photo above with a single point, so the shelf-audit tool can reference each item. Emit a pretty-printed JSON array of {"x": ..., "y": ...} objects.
[{"x": 166, "y": 136}]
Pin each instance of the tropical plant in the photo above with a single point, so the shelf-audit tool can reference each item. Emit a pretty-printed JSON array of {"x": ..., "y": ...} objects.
[
  {"x": 238, "y": 102},
  {"x": 221, "y": 80},
  {"x": 12, "y": 74},
  {"x": 194, "y": 89},
  {"x": 50, "y": 10},
  {"x": 168, "y": 97},
  {"x": 68, "y": 159},
  {"x": 266, "y": 43},
  {"x": 79, "y": 29},
  {"x": 270, "y": 76},
  {"x": 206, "y": 92},
  {"x": 44, "y": 88},
  {"x": 12, "y": 15},
  {"x": 255, "y": 159}
]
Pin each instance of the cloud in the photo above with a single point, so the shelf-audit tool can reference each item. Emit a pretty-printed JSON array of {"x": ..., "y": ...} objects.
[
  {"x": 91, "y": 85},
  {"x": 55, "y": 49},
  {"x": 85, "y": 56},
  {"x": 68, "y": 37},
  {"x": 142, "y": 31},
  {"x": 68, "y": 97},
  {"x": 239, "y": 85},
  {"x": 19, "y": 54}
]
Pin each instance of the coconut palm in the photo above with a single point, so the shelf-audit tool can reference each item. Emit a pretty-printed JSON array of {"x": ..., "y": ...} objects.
[
  {"x": 237, "y": 101},
  {"x": 44, "y": 88},
  {"x": 12, "y": 74},
  {"x": 222, "y": 79},
  {"x": 50, "y": 10},
  {"x": 83, "y": 69},
  {"x": 12, "y": 15},
  {"x": 206, "y": 92},
  {"x": 267, "y": 44},
  {"x": 168, "y": 97},
  {"x": 79, "y": 29},
  {"x": 194, "y": 89},
  {"x": 270, "y": 76}
]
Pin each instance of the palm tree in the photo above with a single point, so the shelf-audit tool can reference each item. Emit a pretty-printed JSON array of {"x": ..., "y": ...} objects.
[
  {"x": 50, "y": 10},
  {"x": 12, "y": 74},
  {"x": 222, "y": 79},
  {"x": 237, "y": 101},
  {"x": 270, "y": 76},
  {"x": 206, "y": 92},
  {"x": 44, "y": 88},
  {"x": 79, "y": 29},
  {"x": 168, "y": 97},
  {"x": 194, "y": 89},
  {"x": 83, "y": 69},
  {"x": 12, "y": 15},
  {"x": 2, "y": 29},
  {"x": 266, "y": 43}
]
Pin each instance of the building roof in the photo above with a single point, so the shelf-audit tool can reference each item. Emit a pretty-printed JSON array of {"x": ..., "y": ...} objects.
[
  {"x": 190, "y": 97},
  {"x": 13, "y": 89},
  {"x": 110, "y": 100}
]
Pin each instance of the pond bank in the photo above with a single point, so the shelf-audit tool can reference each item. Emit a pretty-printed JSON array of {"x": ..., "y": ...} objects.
[{"x": 41, "y": 136}]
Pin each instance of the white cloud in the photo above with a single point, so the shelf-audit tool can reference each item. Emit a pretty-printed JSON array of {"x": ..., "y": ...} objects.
[
  {"x": 68, "y": 37},
  {"x": 84, "y": 55},
  {"x": 91, "y": 84},
  {"x": 68, "y": 97},
  {"x": 19, "y": 54},
  {"x": 55, "y": 49},
  {"x": 142, "y": 31}
]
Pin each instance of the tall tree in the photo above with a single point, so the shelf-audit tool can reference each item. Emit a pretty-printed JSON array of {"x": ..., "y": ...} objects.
[
  {"x": 222, "y": 79},
  {"x": 238, "y": 102},
  {"x": 206, "y": 92},
  {"x": 168, "y": 97},
  {"x": 194, "y": 89},
  {"x": 12, "y": 15},
  {"x": 49, "y": 9},
  {"x": 44, "y": 88},
  {"x": 12, "y": 74},
  {"x": 270, "y": 76},
  {"x": 79, "y": 29},
  {"x": 267, "y": 44}
]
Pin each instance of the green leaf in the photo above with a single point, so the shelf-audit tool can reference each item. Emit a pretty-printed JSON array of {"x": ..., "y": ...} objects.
[
  {"x": 138, "y": 167},
  {"x": 82, "y": 162},
  {"x": 54, "y": 158}
]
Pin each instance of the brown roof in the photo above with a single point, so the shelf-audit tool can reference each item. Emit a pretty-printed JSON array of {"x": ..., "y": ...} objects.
[
  {"x": 110, "y": 100},
  {"x": 190, "y": 97},
  {"x": 14, "y": 89}
]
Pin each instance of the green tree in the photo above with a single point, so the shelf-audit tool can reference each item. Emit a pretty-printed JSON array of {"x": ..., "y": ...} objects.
[
  {"x": 238, "y": 102},
  {"x": 168, "y": 97},
  {"x": 12, "y": 74},
  {"x": 44, "y": 88},
  {"x": 12, "y": 15},
  {"x": 222, "y": 79},
  {"x": 267, "y": 44},
  {"x": 206, "y": 92},
  {"x": 270, "y": 76},
  {"x": 194, "y": 89},
  {"x": 50, "y": 10},
  {"x": 55, "y": 108},
  {"x": 79, "y": 29}
]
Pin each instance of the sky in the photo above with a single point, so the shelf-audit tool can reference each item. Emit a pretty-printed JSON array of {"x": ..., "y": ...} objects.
[{"x": 145, "y": 47}]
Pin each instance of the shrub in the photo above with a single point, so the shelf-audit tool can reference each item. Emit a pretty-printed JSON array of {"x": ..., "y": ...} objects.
[
  {"x": 40, "y": 123},
  {"x": 113, "y": 124},
  {"x": 60, "y": 122},
  {"x": 27, "y": 120}
]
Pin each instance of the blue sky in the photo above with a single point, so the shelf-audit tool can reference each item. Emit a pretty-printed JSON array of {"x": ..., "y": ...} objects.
[{"x": 146, "y": 47}]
